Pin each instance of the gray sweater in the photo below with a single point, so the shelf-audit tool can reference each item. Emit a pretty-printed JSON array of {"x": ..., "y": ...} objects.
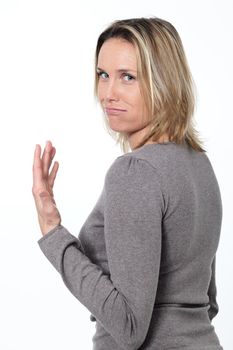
[{"x": 151, "y": 238}]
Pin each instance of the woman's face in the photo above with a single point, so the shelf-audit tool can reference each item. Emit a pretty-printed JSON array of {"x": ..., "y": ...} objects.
[{"x": 118, "y": 87}]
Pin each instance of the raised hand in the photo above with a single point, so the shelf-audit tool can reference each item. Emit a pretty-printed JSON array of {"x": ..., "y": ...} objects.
[{"x": 42, "y": 189}]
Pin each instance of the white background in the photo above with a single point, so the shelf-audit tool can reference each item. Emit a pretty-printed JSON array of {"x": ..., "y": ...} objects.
[{"x": 46, "y": 93}]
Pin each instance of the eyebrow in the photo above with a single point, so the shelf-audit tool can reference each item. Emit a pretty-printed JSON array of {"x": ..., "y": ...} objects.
[{"x": 119, "y": 70}]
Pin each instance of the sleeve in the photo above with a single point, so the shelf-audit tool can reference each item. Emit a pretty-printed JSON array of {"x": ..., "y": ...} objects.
[
  {"x": 123, "y": 301},
  {"x": 212, "y": 292}
]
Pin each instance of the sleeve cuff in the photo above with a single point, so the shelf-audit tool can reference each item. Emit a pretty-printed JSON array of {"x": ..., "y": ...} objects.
[
  {"x": 48, "y": 234},
  {"x": 54, "y": 243}
]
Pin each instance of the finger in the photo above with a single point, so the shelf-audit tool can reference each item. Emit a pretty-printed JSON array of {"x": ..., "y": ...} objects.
[
  {"x": 51, "y": 156},
  {"x": 53, "y": 174},
  {"x": 48, "y": 155},
  {"x": 37, "y": 168},
  {"x": 53, "y": 152},
  {"x": 46, "y": 158}
]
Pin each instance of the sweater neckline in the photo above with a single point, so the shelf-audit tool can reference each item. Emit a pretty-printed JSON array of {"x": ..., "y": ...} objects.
[{"x": 155, "y": 144}]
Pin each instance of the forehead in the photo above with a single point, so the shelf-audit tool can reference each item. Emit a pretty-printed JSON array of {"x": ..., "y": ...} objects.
[{"x": 117, "y": 52}]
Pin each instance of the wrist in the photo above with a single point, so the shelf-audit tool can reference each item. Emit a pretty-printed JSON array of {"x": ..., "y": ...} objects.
[{"x": 48, "y": 229}]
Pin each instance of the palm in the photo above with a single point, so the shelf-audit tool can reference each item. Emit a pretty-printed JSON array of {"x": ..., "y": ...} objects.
[{"x": 42, "y": 189}]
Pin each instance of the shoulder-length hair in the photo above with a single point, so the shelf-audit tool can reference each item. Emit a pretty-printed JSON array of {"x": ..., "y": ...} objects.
[{"x": 166, "y": 82}]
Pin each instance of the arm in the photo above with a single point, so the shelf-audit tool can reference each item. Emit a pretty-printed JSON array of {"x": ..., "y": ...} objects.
[
  {"x": 212, "y": 293},
  {"x": 123, "y": 302}
]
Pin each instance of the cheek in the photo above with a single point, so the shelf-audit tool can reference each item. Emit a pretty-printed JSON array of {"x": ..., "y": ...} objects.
[
  {"x": 135, "y": 96},
  {"x": 138, "y": 103},
  {"x": 140, "y": 110}
]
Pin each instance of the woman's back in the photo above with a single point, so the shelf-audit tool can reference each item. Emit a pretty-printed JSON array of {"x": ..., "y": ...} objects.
[
  {"x": 190, "y": 235},
  {"x": 191, "y": 221}
]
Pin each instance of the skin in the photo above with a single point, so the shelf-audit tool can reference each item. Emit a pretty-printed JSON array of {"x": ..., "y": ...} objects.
[
  {"x": 122, "y": 89},
  {"x": 115, "y": 89},
  {"x": 42, "y": 189}
]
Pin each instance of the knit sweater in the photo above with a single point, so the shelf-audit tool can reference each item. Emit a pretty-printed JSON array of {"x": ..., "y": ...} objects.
[{"x": 150, "y": 238}]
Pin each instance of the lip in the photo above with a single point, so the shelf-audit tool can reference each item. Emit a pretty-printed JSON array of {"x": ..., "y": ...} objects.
[{"x": 114, "y": 110}]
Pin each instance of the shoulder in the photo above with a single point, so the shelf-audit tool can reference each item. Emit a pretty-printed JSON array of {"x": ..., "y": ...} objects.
[
  {"x": 134, "y": 183},
  {"x": 131, "y": 172},
  {"x": 130, "y": 165},
  {"x": 152, "y": 159}
]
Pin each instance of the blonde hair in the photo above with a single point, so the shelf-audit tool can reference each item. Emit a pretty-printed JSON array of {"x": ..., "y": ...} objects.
[{"x": 166, "y": 82}]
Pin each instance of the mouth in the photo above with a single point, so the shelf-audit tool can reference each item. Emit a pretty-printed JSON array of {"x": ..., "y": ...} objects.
[{"x": 108, "y": 110}]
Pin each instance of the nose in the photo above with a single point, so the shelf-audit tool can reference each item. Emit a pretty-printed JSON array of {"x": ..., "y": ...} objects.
[{"x": 111, "y": 92}]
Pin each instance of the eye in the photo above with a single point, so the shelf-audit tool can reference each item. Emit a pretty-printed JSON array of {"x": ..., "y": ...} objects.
[
  {"x": 128, "y": 75},
  {"x": 99, "y": 73}
]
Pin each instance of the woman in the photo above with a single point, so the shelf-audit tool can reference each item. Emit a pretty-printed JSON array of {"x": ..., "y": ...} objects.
[{"x": 144, "y": 261}]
